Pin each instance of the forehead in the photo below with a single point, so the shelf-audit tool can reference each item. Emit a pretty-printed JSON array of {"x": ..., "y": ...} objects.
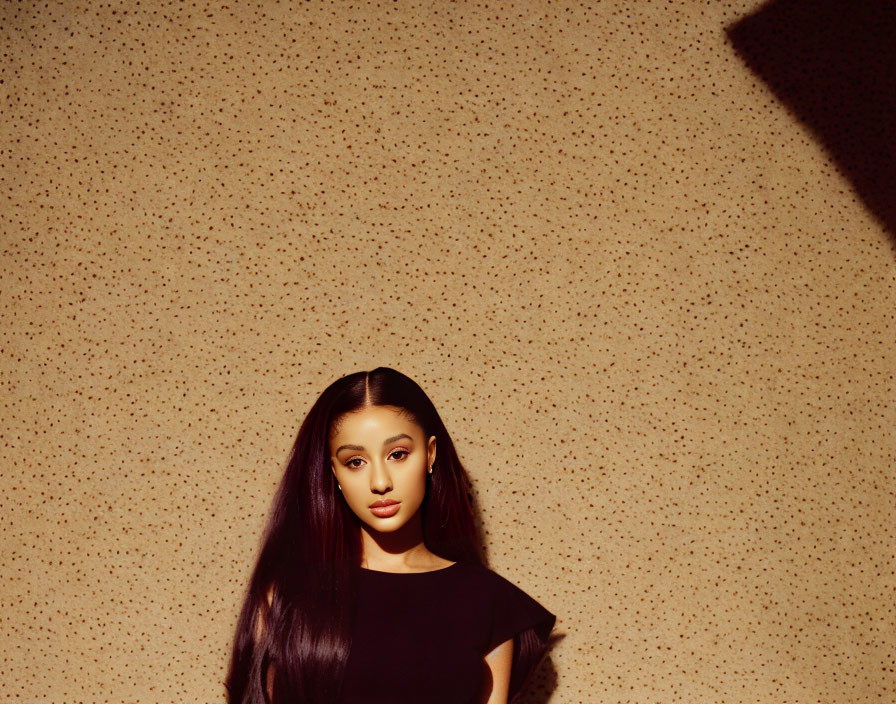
[{"x": 373, "y": 420}]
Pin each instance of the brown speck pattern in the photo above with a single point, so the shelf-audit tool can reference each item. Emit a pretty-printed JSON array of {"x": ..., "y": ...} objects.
[{"x": 657, "y": 320}]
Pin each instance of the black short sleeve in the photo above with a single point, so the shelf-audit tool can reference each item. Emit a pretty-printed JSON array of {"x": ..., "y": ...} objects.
[{"x": 514, "y": 611}]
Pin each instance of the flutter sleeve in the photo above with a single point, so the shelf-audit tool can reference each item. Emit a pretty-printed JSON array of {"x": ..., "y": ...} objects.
[
  {"x": 514, "y": 612},
  {"x": 517, "y": 615}
]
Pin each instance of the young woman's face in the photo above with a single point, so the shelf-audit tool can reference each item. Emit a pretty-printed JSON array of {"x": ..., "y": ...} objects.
[{"x": 378, "y": 454}]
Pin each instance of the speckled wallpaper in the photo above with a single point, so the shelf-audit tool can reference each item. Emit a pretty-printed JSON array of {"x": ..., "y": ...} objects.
[{"x": 654, "y": 307}]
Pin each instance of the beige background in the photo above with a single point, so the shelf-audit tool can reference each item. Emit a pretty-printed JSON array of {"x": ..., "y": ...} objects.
[{"x": 658, "y": 323}]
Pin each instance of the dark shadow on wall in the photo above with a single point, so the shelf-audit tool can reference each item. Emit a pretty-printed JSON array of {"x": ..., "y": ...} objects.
[
  {"x": 544, "y": 674},
  {"x": 833, "y": 62}
]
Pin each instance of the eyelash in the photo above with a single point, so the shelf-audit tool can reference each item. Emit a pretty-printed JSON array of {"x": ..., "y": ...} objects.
[{"x": 354, "y": 466}]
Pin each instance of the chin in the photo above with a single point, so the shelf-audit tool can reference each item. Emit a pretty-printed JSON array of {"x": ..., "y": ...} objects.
[{"x": 380, "y": 528}]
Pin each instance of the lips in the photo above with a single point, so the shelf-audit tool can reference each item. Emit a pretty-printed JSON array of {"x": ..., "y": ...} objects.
[{"x": 386, "y": 508}]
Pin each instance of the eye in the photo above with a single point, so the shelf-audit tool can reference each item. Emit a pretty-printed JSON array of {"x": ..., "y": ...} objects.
[{"x": 401, "y": 454}]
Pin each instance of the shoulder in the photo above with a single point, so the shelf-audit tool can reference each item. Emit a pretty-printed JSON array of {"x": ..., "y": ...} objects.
[
  {"x": 486, "y": 576},
  {"x": 499, "y": 589},
  {"x": 478, "y": 574},
  {"x": 471, "y": 582}
]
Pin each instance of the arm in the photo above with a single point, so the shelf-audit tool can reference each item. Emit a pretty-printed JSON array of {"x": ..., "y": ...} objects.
[
  {"x": 269, "y": 678},
  {"x": 496, "y": 671}
]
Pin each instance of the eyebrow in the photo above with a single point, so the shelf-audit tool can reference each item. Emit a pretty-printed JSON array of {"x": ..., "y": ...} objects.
[{"x": 387, "y": 441}]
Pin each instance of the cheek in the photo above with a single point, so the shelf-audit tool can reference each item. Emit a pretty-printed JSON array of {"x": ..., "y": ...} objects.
[{"x": 418, "y": 484}]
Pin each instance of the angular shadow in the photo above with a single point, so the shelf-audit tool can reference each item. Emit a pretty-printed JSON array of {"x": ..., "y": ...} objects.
[{"x": 833, "y": 63}]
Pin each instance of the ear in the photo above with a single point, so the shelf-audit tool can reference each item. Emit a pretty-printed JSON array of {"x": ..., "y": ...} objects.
[{"x": 431, "y": 451}]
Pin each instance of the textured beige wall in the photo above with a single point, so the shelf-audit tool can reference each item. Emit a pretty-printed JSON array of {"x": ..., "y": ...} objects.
[{"x": 657, "y": 321}]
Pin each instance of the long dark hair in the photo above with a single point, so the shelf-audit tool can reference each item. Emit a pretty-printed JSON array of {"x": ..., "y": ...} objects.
[{"x": 309, "y": 560}]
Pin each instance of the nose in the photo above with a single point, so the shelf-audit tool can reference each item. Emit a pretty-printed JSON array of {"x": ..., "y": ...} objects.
[{"x": 380, "y": 478}]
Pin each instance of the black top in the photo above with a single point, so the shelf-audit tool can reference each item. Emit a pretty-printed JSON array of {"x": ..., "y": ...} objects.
[{"x": 421, "y": 636}]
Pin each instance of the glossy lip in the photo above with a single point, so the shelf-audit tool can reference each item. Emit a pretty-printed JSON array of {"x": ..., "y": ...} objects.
[
  {"x": 385, "y": 511},
  {"x": 383, "y": 502}
]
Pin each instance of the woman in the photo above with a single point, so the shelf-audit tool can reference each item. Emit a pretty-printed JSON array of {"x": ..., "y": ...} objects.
[{"x": 370, "y": 585}]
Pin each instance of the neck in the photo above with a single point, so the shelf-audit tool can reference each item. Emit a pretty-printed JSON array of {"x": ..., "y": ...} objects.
[{"x": 404, "y": 546}]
